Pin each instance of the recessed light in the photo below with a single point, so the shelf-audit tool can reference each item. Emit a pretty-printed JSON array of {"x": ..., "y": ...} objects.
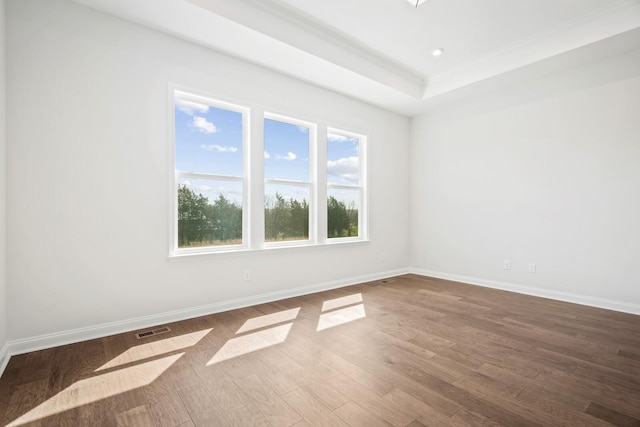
[{"x": 437, "y": 52}]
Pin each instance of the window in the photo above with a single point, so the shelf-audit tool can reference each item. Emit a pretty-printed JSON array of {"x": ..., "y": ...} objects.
[
  {"x": 345, "y": 198},
  {"x": 287, "y": 185},
  {"x": 302, "y": 187},
  {"x": 209, "y": 171}
]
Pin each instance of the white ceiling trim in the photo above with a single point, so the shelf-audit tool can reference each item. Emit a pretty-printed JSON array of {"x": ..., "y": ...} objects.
[
  {"x": 281, "y": 22},
  {"x": 187, "y": 21},
  {"x": 272, "y": 34}
]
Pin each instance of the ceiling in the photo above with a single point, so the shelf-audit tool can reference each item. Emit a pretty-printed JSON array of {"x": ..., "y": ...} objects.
[{"x": 379, "y": 51}]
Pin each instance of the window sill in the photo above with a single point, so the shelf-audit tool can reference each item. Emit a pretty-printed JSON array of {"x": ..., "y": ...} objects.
[{"x": 194, "y": 256}]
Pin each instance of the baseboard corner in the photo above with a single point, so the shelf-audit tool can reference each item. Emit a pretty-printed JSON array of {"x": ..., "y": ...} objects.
[
  {"x": 4, "y": 358},
  {"x": 586, "y": 300}
]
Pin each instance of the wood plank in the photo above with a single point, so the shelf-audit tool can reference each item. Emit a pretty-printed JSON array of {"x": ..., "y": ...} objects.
[
  {"x": 165, "y": 404},
  {"x": 396, "y": 376},
  {"x": 247, "y": 416},
  {"x": 356, "y": 416},
  {"x": 561, "y": 414},
  {"x": 312, "y": 410},
  {"x": 470, "y": 418},
  {"x": 417, "y": 409},
  {"x": 221, "y": 387},
  {"x": 629, "y": 354},
  {"x": 618, "y": 399},
  {"x": 370, "y": 401},
  {"x": 140, "y": 416},
  {"x": 276, "y": 410},
  {"x": 202, "y": 407},
  {"x": 25, "y": 402},
  {"x": 611, "y": 416},
  {"x": 356, "y": 373},
  {"x": 316, "y": 386}
]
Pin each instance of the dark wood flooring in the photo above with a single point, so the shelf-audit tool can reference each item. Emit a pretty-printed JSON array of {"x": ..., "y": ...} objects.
[{"x": 408, "y": 351}]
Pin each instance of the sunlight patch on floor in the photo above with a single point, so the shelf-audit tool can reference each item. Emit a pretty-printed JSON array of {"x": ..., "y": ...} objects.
[
  {"x": 339, "y": 311},
  {"x": 332, "y": 304},
  {"x": 99, "y": 387},
  {"x": 249, "y": 343},
  {"x": 269, "y": 319},
  {"x": 155, "y": 348}
]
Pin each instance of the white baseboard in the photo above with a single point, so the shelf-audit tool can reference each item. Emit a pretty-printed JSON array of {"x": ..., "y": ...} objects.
[
  {"x": 40, "y": 342},
  {"x": 26, "y": 345},
  {"x": 4, "y": 357},
  {"x": 624, "y": 307}
]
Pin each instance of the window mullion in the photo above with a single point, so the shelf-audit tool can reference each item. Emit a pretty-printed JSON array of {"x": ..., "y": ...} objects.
[
  {"x": 255, "y": 177},
  {"x": 209, "y": 176},
  {"x": 286, "y": 182},
  {"x": 321, "y": 185}
]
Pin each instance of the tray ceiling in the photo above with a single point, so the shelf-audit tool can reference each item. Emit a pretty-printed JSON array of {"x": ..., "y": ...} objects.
[{"x": 379, "y": 51}]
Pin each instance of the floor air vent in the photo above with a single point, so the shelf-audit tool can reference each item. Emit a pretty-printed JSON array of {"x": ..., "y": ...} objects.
[{"x": 153, "y": 332}]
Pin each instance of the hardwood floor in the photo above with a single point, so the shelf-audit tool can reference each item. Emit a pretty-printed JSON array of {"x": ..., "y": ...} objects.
[{"x": 408, "y": 351}]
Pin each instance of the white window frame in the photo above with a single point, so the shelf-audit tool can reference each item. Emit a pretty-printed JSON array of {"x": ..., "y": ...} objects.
[
  {"x": 363, "y": 225},
  {"x": 311, "y": 183},
  {"x": 253, "y": 180},
  {"x": 243, "y": 179}
]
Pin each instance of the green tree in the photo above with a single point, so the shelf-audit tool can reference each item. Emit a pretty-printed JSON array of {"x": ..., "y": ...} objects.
[
  {"x": 352, "y": 214},
  {"x": 201, "y": 223},
  {"x": 299, "y": 218},
  {"x": 226, "y": 220},
  {"x": 342, "y": 221},
  {"x": 286, "y": 219},
  {"x": 192, "y": 218}
]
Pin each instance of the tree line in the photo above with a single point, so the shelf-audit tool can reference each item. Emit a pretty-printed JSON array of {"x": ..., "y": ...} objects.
[{"x": 202, "y": 223}]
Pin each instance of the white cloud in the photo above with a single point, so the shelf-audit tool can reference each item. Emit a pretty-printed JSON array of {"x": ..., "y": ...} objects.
[
  {"x": 290, "y": 156},
  {"x": 339, "y": 138},
  {"x": 204, "y": 188},
  {"x": 303, "y": 129},
  {"x": 219, "y": 148},
  {"x": 346, "y": 167},
  {"x": 187, "y": 183},
  {"x": 190, "y": 107},
  {"x": 202, "y": 125},
  {"x": 267, "y": 155}
]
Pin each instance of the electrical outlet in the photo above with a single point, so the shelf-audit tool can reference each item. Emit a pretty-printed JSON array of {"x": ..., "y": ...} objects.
[
  {"x": 247, "y": 276},
  {"x": 532, "y": 268},
  {"x": 506, "y": 264}
]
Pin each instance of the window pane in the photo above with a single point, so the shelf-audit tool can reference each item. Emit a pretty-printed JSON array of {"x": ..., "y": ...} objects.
[
  {"x": 286, "y": 151},
  {"x": 343, "y": 160},
  {"x": 208, "y": 139},
  {"x": 286, "y": 212},
  {"x": 342, "y": 212},
  {"x": 209, "y": 212}
]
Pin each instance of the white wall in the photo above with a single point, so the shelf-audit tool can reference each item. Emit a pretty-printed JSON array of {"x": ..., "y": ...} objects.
[
  {"x": 88, "y": 174},
  {"x": 3, "y": 195},
  {"x": 547, "y": 172}
]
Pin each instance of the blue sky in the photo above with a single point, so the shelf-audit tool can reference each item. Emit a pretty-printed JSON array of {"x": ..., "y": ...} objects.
[
  {"x": 342, "y": 159},
  {"x": 286, "y": 151},
  {"x": 209, "y": 140}
]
